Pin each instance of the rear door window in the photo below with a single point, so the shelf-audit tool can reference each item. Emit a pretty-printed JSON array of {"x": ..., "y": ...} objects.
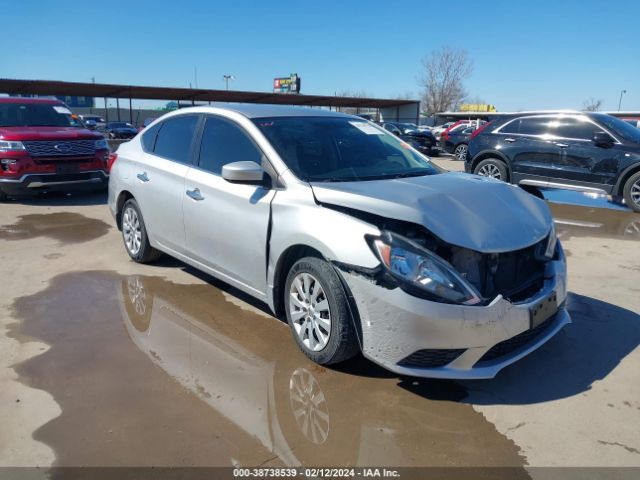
[{"x": 174, "y": 139}]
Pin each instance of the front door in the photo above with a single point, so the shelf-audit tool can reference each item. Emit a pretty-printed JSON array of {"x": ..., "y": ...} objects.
[{"x": 226, "y": 223}]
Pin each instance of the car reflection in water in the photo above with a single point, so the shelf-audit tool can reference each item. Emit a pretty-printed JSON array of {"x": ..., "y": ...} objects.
[
  {"x": 243, "y": 365},
  {"x": 584, "y": 215}
]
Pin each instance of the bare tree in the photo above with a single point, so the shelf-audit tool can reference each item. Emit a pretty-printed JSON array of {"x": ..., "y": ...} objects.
[
  {"x": 442, "y": 79},
  {"x": 592, "y": 105}
]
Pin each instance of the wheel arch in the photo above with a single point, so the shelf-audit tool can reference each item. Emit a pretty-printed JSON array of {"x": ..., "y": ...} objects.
[
  {"x": 624, "y": 176},
  {"x": 486, "y": 154},
  {"x": 122, "y": 198}
]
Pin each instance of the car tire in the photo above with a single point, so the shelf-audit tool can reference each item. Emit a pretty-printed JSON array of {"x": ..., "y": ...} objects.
[
  {"x": 318, "y": 312},
  {"x": 631, "y": 192},
  {"x": 134, "y": 234},
  {"x": 461, "y": 151},
  {"x": 493, "y": 168}
]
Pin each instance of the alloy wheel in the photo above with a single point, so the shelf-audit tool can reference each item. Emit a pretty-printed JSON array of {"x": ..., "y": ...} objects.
[
  {"x": 137, "y": 295},
  {"x": 131, "y": 230},
  {"x": 461, "y": 152},
  {"x": 490, "y": 170},
  {"x": 309, "y": 310},
  {"x": 309, "y": 406},
  {"x": 635, "y": 192}
]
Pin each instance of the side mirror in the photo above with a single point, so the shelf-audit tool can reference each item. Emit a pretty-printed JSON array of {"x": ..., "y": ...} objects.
[
  {"x": 243, "y": 172},
  {"x": 602, "y": 139}
]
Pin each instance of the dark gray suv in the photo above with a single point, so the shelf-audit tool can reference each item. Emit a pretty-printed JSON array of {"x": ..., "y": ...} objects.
[{"x": 572, "y": 150}]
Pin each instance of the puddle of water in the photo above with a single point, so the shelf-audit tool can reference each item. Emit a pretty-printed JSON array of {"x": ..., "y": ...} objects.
[
  {"x": 577, "y": 214},
  {"x": 148, "y": 372},
  {"x": 66, "y": 227}
]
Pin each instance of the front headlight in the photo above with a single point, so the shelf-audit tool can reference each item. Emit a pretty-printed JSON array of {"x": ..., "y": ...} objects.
[
  {"x": 102, "y": 144},
  {"x": 552, "y": 240},
  {"x": 421, "y": 269},
  {"x": 10, "y": 146}
]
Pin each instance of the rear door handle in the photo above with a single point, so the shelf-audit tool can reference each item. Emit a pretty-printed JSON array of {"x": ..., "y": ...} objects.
[
  {"x": 509, "y": 139},
  {"x": 143, "y": 177},
  {"x": 562, "y": 145},
  {"x": 195, "y": 194}
]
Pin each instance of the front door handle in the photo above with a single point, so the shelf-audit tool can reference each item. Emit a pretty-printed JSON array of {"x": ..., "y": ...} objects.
[
  {"x": 509, "y": 139},
  {"x": 562, "y": 145},
  {"x": 195, "y": 194},
  {"x": 143, "y": 177}
]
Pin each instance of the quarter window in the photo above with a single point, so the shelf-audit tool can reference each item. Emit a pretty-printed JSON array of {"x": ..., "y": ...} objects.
[
  {"x": 225, "y": 142},
  {"x": 174, "y": 138}
]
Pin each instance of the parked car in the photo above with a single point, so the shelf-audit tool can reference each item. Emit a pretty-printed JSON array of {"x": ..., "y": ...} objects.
[
  {"x": 456, "y": 140},
  {"x": 93, "y": 122},
  {"x": 123, "y": 130},
  {"x": 362, "y": 243},
  {"x": 42, "y": 146},
  {"x": 421, "y": 140},
  {"x": 147, "y": 121},
  {"x": 437, "y": 130},
  {"x": 592, "y": 152}
]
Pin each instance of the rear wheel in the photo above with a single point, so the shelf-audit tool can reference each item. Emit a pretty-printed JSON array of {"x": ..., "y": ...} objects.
[
  {"x": 318, "y": 312},
  {"x": 631, "y": 192},
  {"x": 134, "y": 234},
  {"x": 461, "y": 151},
  {"x": 492, "y": 168}
]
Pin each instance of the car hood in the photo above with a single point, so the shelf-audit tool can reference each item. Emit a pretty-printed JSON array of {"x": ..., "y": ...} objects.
[
  {"x": 47, "y": 133},
  {"x": 469, "y": 211}
]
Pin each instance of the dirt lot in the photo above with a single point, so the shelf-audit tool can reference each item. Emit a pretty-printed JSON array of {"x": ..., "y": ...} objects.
[{"x": 106, "y": 362}]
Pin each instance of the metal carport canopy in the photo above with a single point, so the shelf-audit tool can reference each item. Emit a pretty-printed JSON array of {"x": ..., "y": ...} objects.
[{"x": 50, "y": 87}]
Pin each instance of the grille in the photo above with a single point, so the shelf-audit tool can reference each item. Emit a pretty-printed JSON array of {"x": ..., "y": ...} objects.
[
  {"x": 61, "y": 148},
  {"x": 511, "y": 344},
  {"x": 431, "y": 358}
]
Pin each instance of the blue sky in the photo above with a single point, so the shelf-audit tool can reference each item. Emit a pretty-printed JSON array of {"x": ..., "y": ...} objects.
[{"x": 542, "y": 54}]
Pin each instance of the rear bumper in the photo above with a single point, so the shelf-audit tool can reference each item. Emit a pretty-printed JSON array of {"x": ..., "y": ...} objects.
[{"x": 54, "y": 181}]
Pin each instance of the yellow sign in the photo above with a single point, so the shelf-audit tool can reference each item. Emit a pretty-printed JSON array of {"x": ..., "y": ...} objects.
[{"x": 477, "y": 107}]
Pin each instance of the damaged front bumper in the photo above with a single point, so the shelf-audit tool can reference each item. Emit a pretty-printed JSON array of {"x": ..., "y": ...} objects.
[{"x": 412, "y": 336}]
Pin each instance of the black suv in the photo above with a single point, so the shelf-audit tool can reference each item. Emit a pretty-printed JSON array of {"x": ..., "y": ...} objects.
[
  {"x": 571, "y": 150},
  {"x": 421, "y": 140}
]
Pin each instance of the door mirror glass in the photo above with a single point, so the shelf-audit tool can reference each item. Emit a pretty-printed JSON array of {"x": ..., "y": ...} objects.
[
  {"x": 243, "y": 172},
  {"x": 602, "y": 139}
]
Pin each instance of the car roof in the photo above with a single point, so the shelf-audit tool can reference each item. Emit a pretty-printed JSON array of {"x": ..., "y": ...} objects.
[
  {"x": 23, "y": 100},
  {"x": 253, "y": 110}
]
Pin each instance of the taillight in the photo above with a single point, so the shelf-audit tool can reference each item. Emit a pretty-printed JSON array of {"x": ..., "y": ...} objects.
[
  {"x": 479, "y": 129},
  {"x": 111, "y": 160}
]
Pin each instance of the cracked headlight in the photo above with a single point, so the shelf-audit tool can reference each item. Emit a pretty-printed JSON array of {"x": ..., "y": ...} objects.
[{"x": 422, "y": 270}]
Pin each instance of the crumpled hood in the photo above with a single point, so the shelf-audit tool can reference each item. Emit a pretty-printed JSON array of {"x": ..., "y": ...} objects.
[{"x": 469, "y": 211}]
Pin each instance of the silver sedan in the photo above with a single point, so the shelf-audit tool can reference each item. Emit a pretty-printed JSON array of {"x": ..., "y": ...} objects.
[{"x": 359, "y": 240}]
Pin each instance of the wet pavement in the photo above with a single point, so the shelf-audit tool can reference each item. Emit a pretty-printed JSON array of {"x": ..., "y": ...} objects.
[
  {"x": 164, "y": 366},
  {"x": 149, "y": 372}
]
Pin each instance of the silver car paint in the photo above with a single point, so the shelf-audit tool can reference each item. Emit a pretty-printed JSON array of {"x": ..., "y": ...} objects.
[{"x": 238, "y": 242}]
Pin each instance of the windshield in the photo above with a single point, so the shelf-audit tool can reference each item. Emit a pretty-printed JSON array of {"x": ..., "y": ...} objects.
[
  {"x": 36, "y": 115},
  {"x": 334, "y": 149},
  {"x": 620, "y": 128}
]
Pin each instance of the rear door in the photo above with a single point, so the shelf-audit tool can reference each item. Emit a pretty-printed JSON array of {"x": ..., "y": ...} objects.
[
  {"x": 160, "y": 175},
  {"x": 525, "y": 140},
  {"x": 227, "y": 223}
]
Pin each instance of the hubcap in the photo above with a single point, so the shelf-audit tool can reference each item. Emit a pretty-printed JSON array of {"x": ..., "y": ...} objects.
[
  {"x": 490, "y": 170},
  {"x": 131, "y": 230},
  {"x": 309, "y": 309},
  {"x": 635, "y": 193},
  {"x": 309, "y": 406},
  {"x": 137, "y": 295},
  {"x": 461, "y": 152}
]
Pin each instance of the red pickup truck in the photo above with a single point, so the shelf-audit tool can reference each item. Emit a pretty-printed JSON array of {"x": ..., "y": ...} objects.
[{"x": 44, "y": 147}]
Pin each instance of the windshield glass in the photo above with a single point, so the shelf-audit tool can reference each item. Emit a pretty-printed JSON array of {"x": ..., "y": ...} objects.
[
  {"x": 620, "y": 128},
  {"x": 36, "y": 115},
  {"x": 334, "y": 149}
]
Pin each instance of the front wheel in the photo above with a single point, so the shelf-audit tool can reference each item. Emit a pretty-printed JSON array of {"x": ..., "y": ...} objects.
[
  {"x": 318, "y": 312},
  {"x": 461, "y": 151},
  {"x": 492, "y": 168},
  {"x": 631, "y": 192}
]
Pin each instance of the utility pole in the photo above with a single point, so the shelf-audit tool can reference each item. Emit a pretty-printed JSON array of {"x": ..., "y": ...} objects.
[
  {"x": 195, "y": 75},
  {"x": 622, "y": 92},
  {"x": 227, "y": 78}
]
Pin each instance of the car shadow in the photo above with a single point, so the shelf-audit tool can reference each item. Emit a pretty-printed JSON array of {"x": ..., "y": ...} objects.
[
  {"x": 60, "y": 199},
  {"x": 585, "y": 351}
]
